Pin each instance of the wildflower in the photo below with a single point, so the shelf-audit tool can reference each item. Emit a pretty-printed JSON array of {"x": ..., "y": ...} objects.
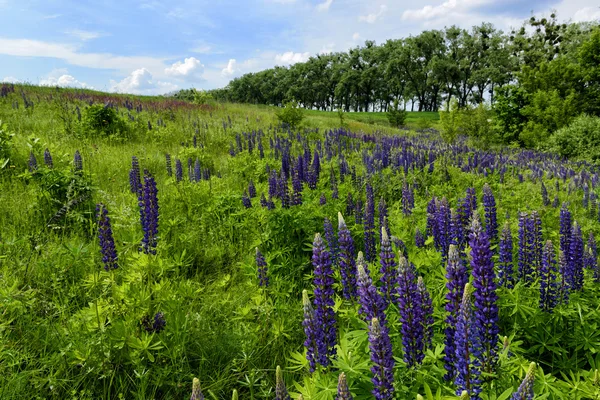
[
  {"x": 246, "y": 200},
  {"x": 489, "y": 204},
  {"x": 33, "y": 165},
  {"x": 575, "y": 259},
  {"x": 148, "y": 203},
  {"x": 468, "y": 349},
  {"x": 388, "y": 267},
  {"x": 169, "y": 165},
  {"x": 178, "y": 170},
  {"x": 548, "y": 285},
  {"x": 343, "y": 393},
  {"x": 251, "y": 189},
  {"x": 525, "y": 391},
  {"x": 261, "y": 265},
  {"x": 419, "y": 238},
  {"x": 135, "y": 181},
  {"x": 346, "y": 259},
  {"x": 281, "y": 392},
  {"x": 105, "y": 236},
  {"x": 505, "y": 261},
  {"x": 372, "y": 304},
  {"x": 48, "y": 159},
  {"x": 310, "y": 330},
  {"x": 196, "y": 391},
  {"x": 77, "y": 162},
  {"x": 383, "y": 361}
]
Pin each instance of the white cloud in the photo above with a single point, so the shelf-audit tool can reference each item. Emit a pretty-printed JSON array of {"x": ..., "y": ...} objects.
[
  {"x": 356, "y": 36},
  {"x": 371, "y": 18},
  {"x": 64, "y": 80},
  {"x": 202, "y": 49},
  {"x": 327, "y": 49},
  {"x": 587, "y": 14},
  {"x": 190, "y": 68},
  {"x": 230, "y": 69},
  {"x": 83, "y": 35},
  {"x": 290, "y": 57},
  {"x": 325, "y": 5},
  {"x": 430, "y": 12},
  {"x": 10, "y": 79},
  {"x": 69, "y": 53},
  {"x": 141, "y": 81}
]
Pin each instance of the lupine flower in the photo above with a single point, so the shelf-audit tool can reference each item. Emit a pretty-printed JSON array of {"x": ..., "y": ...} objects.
[
  {"x": 197, "y": 175},
  {"x": 159, "y": 322},
  {"x": 369, "y": 225},
  {"x": 346, "y": 259},
  {"x": 419, "y": 238},
  {"x": 343, "y": 393},
  {"x": 545, "y": 198},
  {"x": 563, "y": 268},
  {"x": 411, "y": 314},
  {"x": 358, "y": 212},
  {"x": 246, "y": 200},
  {"x": 324, "y": 314},
  {"x": 536, "y": 240},
  {"x": 383, "y": 215},
  {"x": 178, "y": 170},
  {"x": 349, "y": 204},
  {"x": 261, "y": 266},
  {"x": 383, "y": 361},
  {"x": 442, "y": 237},
  {"x": 196, "y": 391},
  {"x": 105, "y": 236},
  {"x": 297, "y": 188},
  {"x": 322, "y": 199},
  {"x": 407, "y": 199},
  {"x": 575, "y": 271},
  {"x": 427, "y": 306},
  {"x": 388, "y": 267},
  {"x": 468, "y": 349},
  {"x": 148, "y": 203},
  {"x": 456, "y": 279},
  {"x": 281, "y": 392},
  {"x": 33, "y": 165},
  {"x": 591, "y": 254},
  {"x": 251, "y": 189},
  {"x": 525, "y": 391},
  {"x": 77, "y": 162},
  {"x": 431, "y": 217},
  {"x": 491, "y": 222},
  {"x": 48, "y": 159},
  {"x": 135, "y": 180},
  {"x": 525, "y": 249},
  {"x": 330, "y": 238},
  {"x": 505, "y": 261},
  {"x": 372, "y": 304},
  {"x": 169, "y": 164},
  {"x": 565, "y": 230},
  {"x": 310, "y": 330},
  {"x": 548, "y": 285},
  {"x": 486, "y": 309}
]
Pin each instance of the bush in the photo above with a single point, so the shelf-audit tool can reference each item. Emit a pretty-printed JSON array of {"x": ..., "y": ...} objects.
[
  {"x": 396, "y": 116},
  {"x": 291, "y": 114},
  {"x": 473, "y": 122},
  {"x": 581, "y": 139},
  {"x": 102, "y": 119}
]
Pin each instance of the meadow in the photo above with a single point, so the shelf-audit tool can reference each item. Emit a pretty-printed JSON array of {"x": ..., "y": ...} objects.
[{"x": 148, "y": 241}]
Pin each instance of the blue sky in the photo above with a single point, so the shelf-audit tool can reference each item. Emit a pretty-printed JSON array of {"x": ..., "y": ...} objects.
[{"x": 150, "y": 47}]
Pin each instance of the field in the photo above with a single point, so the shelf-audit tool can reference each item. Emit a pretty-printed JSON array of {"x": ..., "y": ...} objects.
[{"x": 125, "y": 282}]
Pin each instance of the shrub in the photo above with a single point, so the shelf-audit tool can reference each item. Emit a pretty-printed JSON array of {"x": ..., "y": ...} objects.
[
  {"x": 396, "y": 116},
  {"x": 580, "y": 139},
  {"x": 102, "y": 119},
  {"x": 291, "y": 114}
]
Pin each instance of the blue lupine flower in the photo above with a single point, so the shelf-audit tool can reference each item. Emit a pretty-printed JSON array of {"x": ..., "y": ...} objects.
[
  {"x": 48, "y": 159},
  {"x": 525, "y": 391},
  {"x": 105, "y": 236},
  {"x": 468, "y": 349},
  {"x": 343, "y": 393},
  {"x": 148, "y": 203},
  {"x": 548, "y": 284},
  {"x": 310, "y": 330},
  {"x": 346, "y": 259},
  {"x": 135, "y": 180},
  {"x": 261, "y": 266},
  {"x": 281, "y": 392},
  {"x": 383, "y": 361}
]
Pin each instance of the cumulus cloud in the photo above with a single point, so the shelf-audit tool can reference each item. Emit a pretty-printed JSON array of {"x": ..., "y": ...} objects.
[
  {"x": 290, "y": 57},
  {"x": 64, "y": 80},
  {"x": 371, "y": 18},
  {"x": 10, "y": 79},
  {"x": 430, "y": 12},
  {"x": 141, "y": 81},
  {"x": 325, "y": 5},
  {"x": 230, "y": 69},
  {"x": 190, "y": 68},
  {"x": 587, "y": 14},
  {"x": 83, "y": 35}
]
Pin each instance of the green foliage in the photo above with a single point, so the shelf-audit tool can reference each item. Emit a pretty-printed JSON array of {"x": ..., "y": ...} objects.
[
  {"x": 291, "y": 114},
  {"x": 103, "y": 120},
  {"x": 580, "y": 139},
  {"x": 474, "y": 122},
  {"x": 202, "y": 97},
  {"x": 396, "y": 116},
  {"x": 5, "y": 145}
]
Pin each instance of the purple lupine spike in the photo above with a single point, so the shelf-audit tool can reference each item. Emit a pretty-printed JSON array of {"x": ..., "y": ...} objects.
[
  {"x": 575, "y": 260},
  {"x": 135, "y": 180},
  {"x": 431, "y": 217},
  {"x": 383, "y": 215},
  {"x": 343, "y": 393},
  {"x": 427, "y": 307},
  {"x": 372, "y": 304},
  {"x": 486, "y": 308},
  {"x": 525, "y": 257},
  {"x": 310, "y": 330},
  {"x": 261, "y": 266},
  {"x": 358, "y": 212},
  {"x": 556, "y": 201},
  {"x": 281, "y": 392},
  {"x": 548, "y": 273},
  {"x": 383, "y": 361},
  {"x": 591, "y": 254},
  {"x": 346, "y": 259},
  {"x": 251, "y": 189},
  {"x": 322, "y": 199},
  {"x": 324, "y": 314},
  {"x": 491, "y": 222},
  {"x": 33, "y": 165},
  {"x": 105, "y": 236},
  {"x": 471, "y": 198},
  {"x": 297, "y": 188},
  {"x": 505, "y": 260},
  {"x": 197, "y": 174},
  {"x": 537, "y": 240},
  {"x": 48, "y": 159},
  {"x": 411, "y": 314},
  {"x": 169, "y": 164},
  {"x": 283, "y": 190},
  {"x": 563, "y": 268},
  {"x": 196, "y": 390},
  {"x": 525, "y": 391},
  {"x": 148, "y": 203},
  {"x": 349, "y": 204},
  {"x": 408, "y": 199},
  {"x": 456, "y": 279},
  {"x": 246, "y": 200},
  {"x": 443, "y": 227},
  {"x": 419, "y": 238},
  {"x": 178, "y": 170},
  {"x": 273, "y": 184},
  {"x": 369, "y": 225},
  {"x": 330, "y": 238},
  {"x": 77, "y": 162},
  {"x": 388, "y": 267},
  {"x": 263, "y": 200},
  {"x": 565, "y": 230},
  {"x": 457, "y": 231},
  {"x": 159, "y": 322},
  {"x": 468, "y": 349},
  {"x": 545, "y": 198}
]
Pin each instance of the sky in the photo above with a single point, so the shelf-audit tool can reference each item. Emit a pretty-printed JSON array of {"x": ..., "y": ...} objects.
[{"x": 156, "y": 47}]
